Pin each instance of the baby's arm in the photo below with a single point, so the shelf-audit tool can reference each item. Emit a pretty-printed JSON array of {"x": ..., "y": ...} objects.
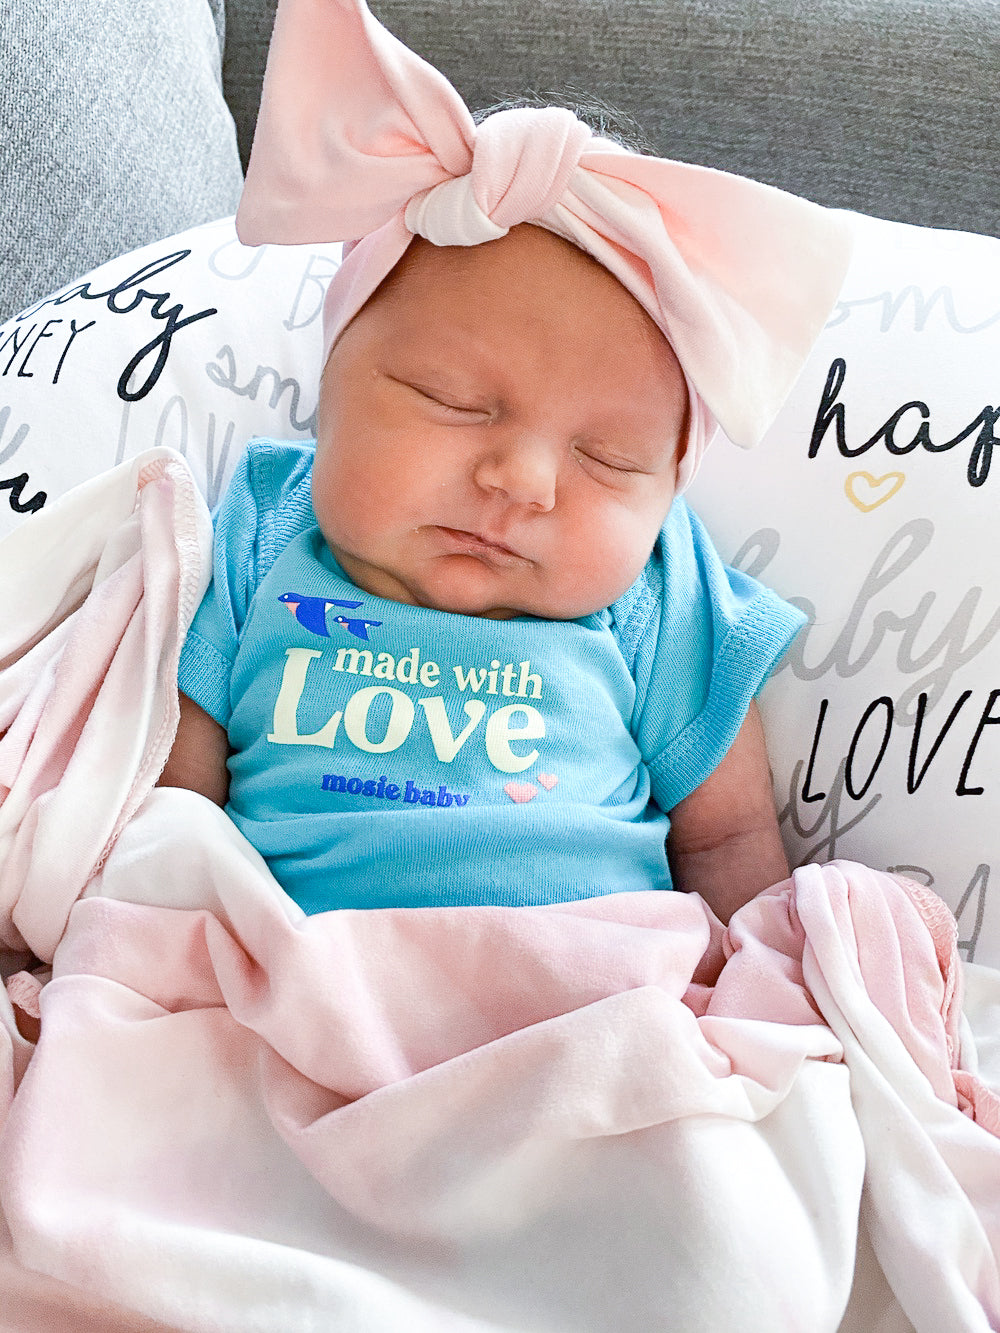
[
  {"x": 724, "y": 841},
  {"x": 198, "y": 758}
]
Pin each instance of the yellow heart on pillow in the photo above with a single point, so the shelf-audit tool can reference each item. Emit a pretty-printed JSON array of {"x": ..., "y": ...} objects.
[{"x": 866, "y": 492}]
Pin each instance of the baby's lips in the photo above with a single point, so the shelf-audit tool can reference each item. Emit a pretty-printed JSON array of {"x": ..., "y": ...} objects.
[{"x": 464, "y": 541}]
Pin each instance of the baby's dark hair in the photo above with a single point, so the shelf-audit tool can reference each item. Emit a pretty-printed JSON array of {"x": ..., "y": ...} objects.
[{"x": 605, "y": 119}]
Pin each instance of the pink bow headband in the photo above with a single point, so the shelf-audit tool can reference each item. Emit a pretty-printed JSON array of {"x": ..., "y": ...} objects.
[{"x": 359, "y": 137}]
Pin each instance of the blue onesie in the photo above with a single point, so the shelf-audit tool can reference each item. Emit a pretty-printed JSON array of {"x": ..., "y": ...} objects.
[{"x": 386, "y": 755}]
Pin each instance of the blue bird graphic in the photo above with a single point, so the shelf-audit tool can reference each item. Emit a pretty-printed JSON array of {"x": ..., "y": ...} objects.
[
  {"x": 359, "y": 628},
  {"x": 310, "y": 612}
]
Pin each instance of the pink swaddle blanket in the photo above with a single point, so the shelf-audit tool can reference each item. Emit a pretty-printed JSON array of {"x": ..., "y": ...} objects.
[{"x": 360, "y": 140}]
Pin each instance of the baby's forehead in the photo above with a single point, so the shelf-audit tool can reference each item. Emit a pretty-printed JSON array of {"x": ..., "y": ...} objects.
[{"x": 546, "y": 269}]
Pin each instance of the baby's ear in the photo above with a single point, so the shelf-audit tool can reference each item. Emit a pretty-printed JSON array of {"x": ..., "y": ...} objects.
[{"x": 682, "y": 448}]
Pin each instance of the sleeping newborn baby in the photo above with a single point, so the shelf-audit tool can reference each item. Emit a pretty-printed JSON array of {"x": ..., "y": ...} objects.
[{"x": 473, "y": 648}]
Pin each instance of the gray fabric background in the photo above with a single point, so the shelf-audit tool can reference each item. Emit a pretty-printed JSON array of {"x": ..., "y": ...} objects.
[
  {"x": 885, "y": 106},
  {"x": 113, "y": 133},
  {"x": 114, "y": 130}
]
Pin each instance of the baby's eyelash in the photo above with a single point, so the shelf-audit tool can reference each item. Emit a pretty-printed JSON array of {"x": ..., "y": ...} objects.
[
  {"x": 452, "y": 407},
  {"x": 442, "y": 402},
  {"x": 626, "y": 469}
]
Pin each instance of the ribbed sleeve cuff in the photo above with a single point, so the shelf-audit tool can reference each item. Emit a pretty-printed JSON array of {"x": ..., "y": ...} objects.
[
  {"x": 750, "y": 652},
  {"x": 204, "y": 675}
]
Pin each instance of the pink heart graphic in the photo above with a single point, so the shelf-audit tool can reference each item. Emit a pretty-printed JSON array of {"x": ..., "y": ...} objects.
[
  {"x": 521, "y": 791},
  {"x": 548, "y": 780}
]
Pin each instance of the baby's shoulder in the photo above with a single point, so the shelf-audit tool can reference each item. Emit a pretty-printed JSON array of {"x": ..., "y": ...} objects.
[
  {"x": 275, "y": 473},
  {"x": 672, "y": 561},
  {"x": 267, "y": 503}
]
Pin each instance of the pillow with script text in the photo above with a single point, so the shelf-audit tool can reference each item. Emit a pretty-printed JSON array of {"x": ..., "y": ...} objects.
[
  {"x": 195, "y": 342},
  {"x": 872, "y": 504},
  {"x": 869, "y": 504}
]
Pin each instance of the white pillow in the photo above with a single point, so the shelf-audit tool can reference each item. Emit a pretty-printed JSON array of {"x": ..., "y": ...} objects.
[
  {"x": 889, "y": 539},
  {"x": 891, "y": 553},
  {"x": 195, "y": 342}
]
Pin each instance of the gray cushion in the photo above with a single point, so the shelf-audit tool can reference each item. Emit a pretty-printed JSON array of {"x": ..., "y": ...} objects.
[
  {"x": 885, "y": 106},
  {"x": 113, "y": 133},
  {"x": 248, "y": 31}
]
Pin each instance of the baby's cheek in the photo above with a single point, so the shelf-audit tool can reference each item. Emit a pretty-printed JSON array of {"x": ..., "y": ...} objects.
[
  {"x": 603, "y": 559},
  {"x": 324, "y": 492}
]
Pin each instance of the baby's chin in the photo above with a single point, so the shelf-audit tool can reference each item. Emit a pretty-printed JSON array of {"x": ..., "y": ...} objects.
[
  {"x": 538, "y": 608},
  {"x": 478, "y": 608},
  {"x": 475, "y": 590},
  {"x": 538, "y": 598}
]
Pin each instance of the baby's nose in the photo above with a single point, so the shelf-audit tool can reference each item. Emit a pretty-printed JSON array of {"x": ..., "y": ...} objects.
[{"x": 524, "y": 470}]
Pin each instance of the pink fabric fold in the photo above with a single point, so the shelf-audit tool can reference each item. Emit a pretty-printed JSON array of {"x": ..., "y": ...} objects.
[
  {"x": 98, "y": 591},
  {"x": 385, "y": 1113},
  {"x": 360, "y": 139}
]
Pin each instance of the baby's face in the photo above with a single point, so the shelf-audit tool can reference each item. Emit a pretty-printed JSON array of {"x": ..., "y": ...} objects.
[{"x": 499, "y": 432}]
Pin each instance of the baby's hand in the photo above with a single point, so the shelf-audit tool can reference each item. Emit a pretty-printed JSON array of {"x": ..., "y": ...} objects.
[{"x": 724, "y": 841}]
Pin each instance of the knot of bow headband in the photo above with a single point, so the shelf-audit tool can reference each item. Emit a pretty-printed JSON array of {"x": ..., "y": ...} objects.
[{"x": 359, "y": 139}]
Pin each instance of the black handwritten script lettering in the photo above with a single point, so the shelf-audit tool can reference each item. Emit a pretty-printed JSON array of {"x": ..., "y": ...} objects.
[
  {"x": 830, "y": 823},
  {"x": 828, "y": 792},
  {"x": 905, "y": 429},
  {"x": 877, "y": 725},
  {"x": 128, "y": 298},
  {"x": 922, "y": 730},
  {"x": 15, "y": 486},
  {"x": 823, "y": 829},
  {"x": 264, "y": 380},
  {"x": 21, "y": 347},
  {"x": 986, "y": 719}
]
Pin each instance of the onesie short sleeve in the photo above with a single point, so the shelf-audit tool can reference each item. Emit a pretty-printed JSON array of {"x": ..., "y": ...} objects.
[
  {"x": 268, "y": 501},
  {"x": 700, "y": 640}
]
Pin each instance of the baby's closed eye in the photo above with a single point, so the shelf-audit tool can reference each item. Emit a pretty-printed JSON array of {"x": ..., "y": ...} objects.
[
  {"x": 447, "y": 401},
  {"x": 612, "y": 464},
  {"x": 596, "y": 457}
]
